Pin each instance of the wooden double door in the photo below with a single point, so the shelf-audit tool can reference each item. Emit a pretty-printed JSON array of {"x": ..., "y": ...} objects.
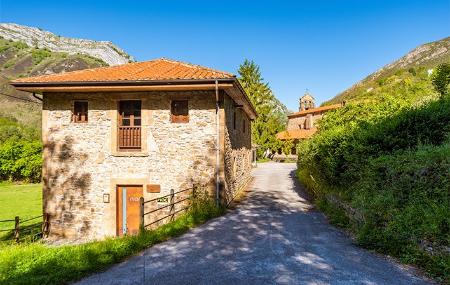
[{"x": 128, "y": 209}]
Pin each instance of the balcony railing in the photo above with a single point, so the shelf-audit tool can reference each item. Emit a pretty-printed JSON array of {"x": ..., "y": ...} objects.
[{"x": 129, "y": 138}]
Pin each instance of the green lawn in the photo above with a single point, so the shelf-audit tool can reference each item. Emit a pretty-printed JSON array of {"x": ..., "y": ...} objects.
[{"x": 23, "y": 200}]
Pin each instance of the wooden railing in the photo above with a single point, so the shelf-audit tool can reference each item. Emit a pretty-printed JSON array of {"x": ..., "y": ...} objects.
[
  {"x": 26, "y": 229},
  {"x": 129, "y": 137}
]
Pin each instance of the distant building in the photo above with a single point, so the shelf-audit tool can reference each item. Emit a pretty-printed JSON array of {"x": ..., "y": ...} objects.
[{"x": 302, "y": 125}]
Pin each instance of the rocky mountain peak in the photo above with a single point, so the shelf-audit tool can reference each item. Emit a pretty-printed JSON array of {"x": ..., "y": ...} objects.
[{"x": 34, "y": 37}]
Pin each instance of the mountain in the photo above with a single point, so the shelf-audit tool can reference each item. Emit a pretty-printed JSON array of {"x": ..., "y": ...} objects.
[
  {"x": 26, "y": 51},
  {"x": 412, "y": 68},
  {"x": 34, "y": 37}
]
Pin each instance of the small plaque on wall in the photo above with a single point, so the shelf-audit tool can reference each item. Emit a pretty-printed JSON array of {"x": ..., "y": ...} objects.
[
  {"x": 153, "y": 188},
  {"x": 162, "y": 200}
]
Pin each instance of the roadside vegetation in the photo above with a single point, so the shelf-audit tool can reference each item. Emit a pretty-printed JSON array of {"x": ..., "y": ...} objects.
[
  {"x": 380, "y": 167},
  {"x": 37, "y": 263}
]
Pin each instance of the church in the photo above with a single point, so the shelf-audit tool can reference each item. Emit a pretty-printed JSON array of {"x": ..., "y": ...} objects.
[{"x": 302, "y": 124}]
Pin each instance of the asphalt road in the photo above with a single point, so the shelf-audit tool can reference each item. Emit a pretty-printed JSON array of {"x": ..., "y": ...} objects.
[{"x": 273, "y": 237}]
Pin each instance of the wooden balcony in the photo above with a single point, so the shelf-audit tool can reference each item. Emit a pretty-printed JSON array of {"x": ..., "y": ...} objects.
[{"x": 129, "y": 138}]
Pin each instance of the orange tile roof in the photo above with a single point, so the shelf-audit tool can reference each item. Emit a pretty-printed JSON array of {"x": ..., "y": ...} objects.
[
  {"x": 315, "y": 110},
  {"x": 296, "y": 134},
  {"x": 158, "y": 69}
]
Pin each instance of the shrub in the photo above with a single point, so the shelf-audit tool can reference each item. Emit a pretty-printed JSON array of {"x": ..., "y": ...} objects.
[{"x": 38, "y": 55}]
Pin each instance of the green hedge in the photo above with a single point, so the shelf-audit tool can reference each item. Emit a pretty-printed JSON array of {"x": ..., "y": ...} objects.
[{"x": 390, "y": 162}]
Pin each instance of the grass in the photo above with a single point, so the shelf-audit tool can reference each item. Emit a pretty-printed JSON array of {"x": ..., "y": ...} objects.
[
  {"x": 36, "y": 263},
  {"x": 23, "y": 200}
]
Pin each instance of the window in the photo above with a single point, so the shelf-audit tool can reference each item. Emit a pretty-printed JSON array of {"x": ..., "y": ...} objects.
[
  {"x": 243, "y": 125},
  {"x": 234, "y": 120},
  {"x": 80, "y": 112},
  {"x": 129, "y": 133},
  {"x": 130, "y": 113},
  {"x": 179, "y": 111}
]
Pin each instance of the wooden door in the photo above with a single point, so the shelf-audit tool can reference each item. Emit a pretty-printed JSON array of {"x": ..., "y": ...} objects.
[{"x": 128, "y": 209}]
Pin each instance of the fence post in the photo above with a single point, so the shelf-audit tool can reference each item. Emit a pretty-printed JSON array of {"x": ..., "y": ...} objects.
[
  {"x": 172, "y": 205},
  {"x": 45, "y": 226},
  {"x": 141, "y": 200},
  {"x": 17, "y": 229}
]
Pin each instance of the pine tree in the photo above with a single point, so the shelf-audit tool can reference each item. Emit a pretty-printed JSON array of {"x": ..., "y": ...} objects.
[{"x": 271, "y": 112}]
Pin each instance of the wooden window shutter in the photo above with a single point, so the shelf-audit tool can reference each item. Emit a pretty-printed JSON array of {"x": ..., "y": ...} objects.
[
  {"x": 179, "y": 111},
  {"x": 80, "y": 112}
]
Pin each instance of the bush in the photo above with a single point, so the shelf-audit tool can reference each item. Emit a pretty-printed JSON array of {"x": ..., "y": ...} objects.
[{"x": 38, "y": 55}]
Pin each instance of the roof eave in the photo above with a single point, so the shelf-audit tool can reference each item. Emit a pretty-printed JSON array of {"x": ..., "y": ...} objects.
[
  {"x": 121, "y": 82},
  {"x": 121, "y": 85}
]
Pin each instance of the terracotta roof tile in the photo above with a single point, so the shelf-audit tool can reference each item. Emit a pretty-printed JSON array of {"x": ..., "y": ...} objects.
[
  {"x": 315, "y": 110},
  {"x": 158, "y": 69},
  {"x": 296, "y": 134}
]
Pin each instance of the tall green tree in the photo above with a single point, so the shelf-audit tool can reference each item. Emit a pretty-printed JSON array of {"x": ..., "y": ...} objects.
[
  {"x": 441, "y": 79},
  {"x": 271, "y": 112}
]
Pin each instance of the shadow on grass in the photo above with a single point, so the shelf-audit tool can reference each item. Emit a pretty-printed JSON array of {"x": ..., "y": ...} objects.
[{"x": 28, "y": 233}]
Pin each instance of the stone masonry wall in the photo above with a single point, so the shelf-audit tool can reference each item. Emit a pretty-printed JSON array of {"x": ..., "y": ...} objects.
[
  {"x": 238, "y": 152},
  {"x": 293, "y": 123},
  {"x": 80, "y": 165}
]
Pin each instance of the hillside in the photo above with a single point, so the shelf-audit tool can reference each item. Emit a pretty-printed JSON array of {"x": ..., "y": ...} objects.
[
  {"x": 410, "y": 70},
  {"x": 17, "y": 59},
  {"x": 34, "y": 37}
]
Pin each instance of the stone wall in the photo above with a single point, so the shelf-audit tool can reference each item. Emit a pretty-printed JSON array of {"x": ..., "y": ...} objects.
[
  {"x": 237, "y": 150},
  {"x": 81, "y": 163},
  {"x": 293, "y": 123}
]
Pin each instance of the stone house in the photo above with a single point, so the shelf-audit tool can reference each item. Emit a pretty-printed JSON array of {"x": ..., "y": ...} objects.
[
  {"x": 146, "y": 127},
  {"x": 302, "y": 124}
]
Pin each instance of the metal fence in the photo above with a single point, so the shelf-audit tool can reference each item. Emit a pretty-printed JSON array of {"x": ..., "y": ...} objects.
[{"x": 174, "y": 199}]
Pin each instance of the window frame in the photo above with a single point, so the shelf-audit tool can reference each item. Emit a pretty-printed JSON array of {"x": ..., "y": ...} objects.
[
  {"x": 136, "y": 128},
  {"x": 179, "y": 118},
  {"x": 132, "y": 118},
  {"x": 75, "y": 116}
]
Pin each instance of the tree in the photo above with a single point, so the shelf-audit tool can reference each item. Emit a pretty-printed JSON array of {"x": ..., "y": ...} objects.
[
  {"x": 441, "y": 79},
  {"x": 271, "y": 112}
]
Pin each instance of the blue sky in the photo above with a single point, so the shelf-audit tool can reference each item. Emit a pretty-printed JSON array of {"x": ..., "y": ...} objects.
[{"x": 324, "y": 46}]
